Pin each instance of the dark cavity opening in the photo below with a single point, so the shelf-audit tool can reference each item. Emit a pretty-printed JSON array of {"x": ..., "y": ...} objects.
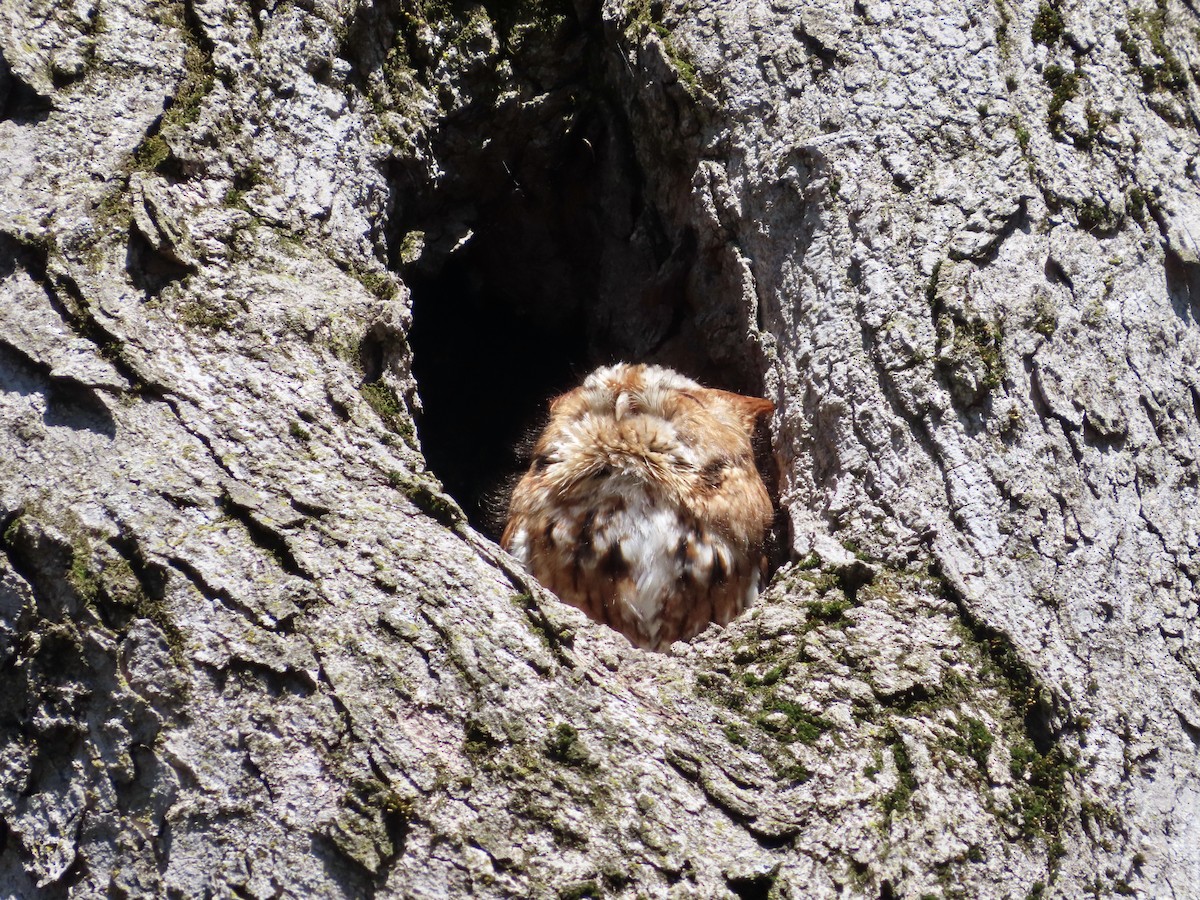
[
  {"x": 150, "y": 268},
  {"x": 752, "y": 887},
  {"x": 19, "y": 101},
  {"x": 557, "y": 238},
  {"x": 1183, "y": 287}
]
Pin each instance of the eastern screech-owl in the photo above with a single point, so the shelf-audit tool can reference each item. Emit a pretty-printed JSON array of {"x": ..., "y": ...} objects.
[{"x": 643, "y": 506}]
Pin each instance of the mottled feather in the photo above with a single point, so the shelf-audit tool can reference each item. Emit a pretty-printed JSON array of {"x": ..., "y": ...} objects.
[{"x": 643, "y": 506}]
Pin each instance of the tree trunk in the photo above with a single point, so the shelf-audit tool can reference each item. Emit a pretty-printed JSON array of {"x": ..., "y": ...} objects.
[{"x": 283, "y": 289}]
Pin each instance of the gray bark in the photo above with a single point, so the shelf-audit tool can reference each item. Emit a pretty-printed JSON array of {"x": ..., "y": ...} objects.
[{"x": 249, "y": 646}]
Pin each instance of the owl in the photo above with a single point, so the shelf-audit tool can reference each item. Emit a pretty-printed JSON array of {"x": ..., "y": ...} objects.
[{"x": 643, "y": 506}]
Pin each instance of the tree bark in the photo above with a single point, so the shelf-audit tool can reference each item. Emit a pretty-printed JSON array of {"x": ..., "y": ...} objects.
[{"x": 249, "y": 644}]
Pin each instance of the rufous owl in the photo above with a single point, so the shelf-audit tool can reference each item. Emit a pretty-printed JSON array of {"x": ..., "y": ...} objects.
[{"x": 643, "y": 506}]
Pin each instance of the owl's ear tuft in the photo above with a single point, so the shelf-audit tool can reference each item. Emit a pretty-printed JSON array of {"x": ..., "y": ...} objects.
[
  {"x": 751, "y": 410},
  {"x": 756, "y": 408}
]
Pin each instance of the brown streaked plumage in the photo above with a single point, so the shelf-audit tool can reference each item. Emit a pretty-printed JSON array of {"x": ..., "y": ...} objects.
[{"x": 642, "y": 506}]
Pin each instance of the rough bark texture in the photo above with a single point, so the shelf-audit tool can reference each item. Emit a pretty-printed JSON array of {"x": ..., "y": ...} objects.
[{"x": 249, "y": 646}]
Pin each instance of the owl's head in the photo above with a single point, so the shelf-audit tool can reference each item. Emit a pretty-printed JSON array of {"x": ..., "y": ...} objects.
[{"x": 639, "y": 427}]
